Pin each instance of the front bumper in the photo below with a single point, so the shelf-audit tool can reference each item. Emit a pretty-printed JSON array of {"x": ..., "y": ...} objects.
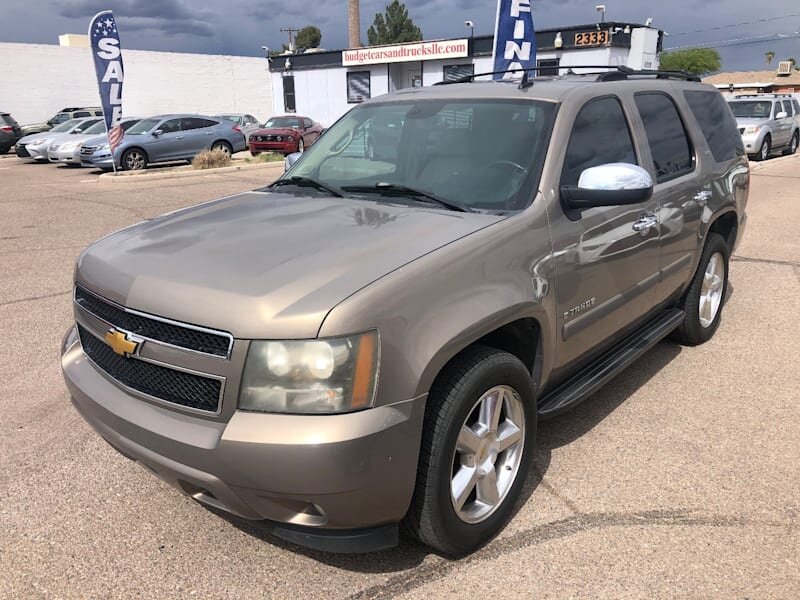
[
  {"x": 100, "y": 160},
  {"x": 283, "y": 147},
  {"x": 326, "y": 478},
  {"x": 35, "y": 152},
  {"x": 70, "y": 157},
  {"x": 752, "y": 142}
]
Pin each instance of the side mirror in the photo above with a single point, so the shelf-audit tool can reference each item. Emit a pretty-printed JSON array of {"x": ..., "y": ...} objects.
[
  {"x": 781, "y": 115},
  {"x": 614, "y": 184},
  {"x": 288, "y": 163},
  {"x": 157, "y": 133}
]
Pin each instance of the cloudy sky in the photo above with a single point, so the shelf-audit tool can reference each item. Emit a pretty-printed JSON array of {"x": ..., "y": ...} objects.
[{"x": 243, "y": 26}]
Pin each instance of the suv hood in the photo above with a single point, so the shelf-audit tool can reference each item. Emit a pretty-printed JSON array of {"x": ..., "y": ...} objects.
[
  {"x": 264, "y": 265},
  {"x": 747, "y": 122}
]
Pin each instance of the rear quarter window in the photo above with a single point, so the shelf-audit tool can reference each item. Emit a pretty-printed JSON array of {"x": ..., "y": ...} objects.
[{"x": 717, "y": 124}]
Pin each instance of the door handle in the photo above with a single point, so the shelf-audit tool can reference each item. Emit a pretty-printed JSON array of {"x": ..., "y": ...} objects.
[
  {"x": 645, "y": 223},
  {"x": 209, "y": 133},
  {"x": 703, "y": 197},
  {"x": 180, "y": 137}
]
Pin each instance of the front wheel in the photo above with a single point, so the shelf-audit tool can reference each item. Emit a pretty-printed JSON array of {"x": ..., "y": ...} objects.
[
  {"x": 477, "y": 447},
  {"x": 765, "y": 150},
  {"x": 705, "y": 298},
  {"x": 301, "y": 145},
  {"x": 793, "y": 144},
  {"x": 134, "y": 160}
]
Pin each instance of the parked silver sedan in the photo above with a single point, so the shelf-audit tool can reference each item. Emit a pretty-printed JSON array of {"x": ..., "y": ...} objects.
[
  {"x": 36, "y": 145},
  {"x": 68, "y": 151},
  {"x": 247, "y": 123}
]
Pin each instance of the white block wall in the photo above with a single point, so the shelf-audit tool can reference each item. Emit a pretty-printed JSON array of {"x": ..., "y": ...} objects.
[{"x": 37, "y": 80}]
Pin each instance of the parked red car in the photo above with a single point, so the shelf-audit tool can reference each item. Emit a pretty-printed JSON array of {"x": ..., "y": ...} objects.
[{"x": 286, "y": 134}]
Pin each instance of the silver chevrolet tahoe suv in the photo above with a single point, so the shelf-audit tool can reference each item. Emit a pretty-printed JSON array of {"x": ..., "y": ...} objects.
[
  {"x": 370, "y": 342},
  {"x": 767, "y": 122}
]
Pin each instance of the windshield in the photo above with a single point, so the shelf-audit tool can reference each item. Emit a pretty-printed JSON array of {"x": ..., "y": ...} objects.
[
  {"x": 480, "y": 154},
  {"x": 60, "y": 118},
  {"x": 143, "y": 126},
  {"x": 751, "y": 110},
  {"x": 99, "y": 127},
  {"x": 66, "y": 126},
  {"x": 281, "y": 122}
]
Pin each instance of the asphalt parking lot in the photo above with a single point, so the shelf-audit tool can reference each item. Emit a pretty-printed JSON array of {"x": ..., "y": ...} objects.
[{"x": 681, "y": 478}]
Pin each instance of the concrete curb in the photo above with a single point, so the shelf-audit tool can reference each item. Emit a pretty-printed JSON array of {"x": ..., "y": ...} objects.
[
  {"x": 129, "y": 177},
  {"x": 758, "y": 165}
]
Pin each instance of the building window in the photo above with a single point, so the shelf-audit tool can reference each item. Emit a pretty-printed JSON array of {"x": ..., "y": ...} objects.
[
  {"x": 288, "y": 94},
  {"x": 358, "y": 86},
  {"x": 547, "y": 68},
  {"x": 456, "y": 72}
]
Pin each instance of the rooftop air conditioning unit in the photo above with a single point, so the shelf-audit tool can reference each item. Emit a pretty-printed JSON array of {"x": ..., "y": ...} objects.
[{"x": 785, "y": 67}]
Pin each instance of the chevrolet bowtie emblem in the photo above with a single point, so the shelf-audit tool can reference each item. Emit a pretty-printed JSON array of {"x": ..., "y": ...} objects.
[{"x": 119, "y": 343}]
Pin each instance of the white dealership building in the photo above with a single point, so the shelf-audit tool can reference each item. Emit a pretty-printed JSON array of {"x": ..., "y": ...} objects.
[
  {"x": 37, "y": 80},
  {"x": 324, "y": 85}
]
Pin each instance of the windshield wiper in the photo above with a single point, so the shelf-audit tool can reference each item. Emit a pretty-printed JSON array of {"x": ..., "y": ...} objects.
[
  {"x": 393, "y": 189},
  {"x": 308, "y": 182}
]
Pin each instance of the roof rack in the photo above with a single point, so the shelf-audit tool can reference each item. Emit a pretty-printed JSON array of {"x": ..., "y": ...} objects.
[
  {"x": 616, "y": 73},
  {"x": 764, "y": 95}
]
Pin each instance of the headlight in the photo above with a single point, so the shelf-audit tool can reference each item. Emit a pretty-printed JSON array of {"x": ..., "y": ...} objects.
[
  {"x": 311, "y": 377},
  {"x": 69, "y": 146},
  {"x": 752, "y": 129},
  {"x": 40, "y": 142},
  {"x": 104, "y": 147}
]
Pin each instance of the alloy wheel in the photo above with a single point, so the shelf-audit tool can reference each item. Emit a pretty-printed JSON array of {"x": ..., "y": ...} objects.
[
  {"x": 712, "y": 289},
  {"x": 134, "y": 160},
  {"x": 488, "y": 454}
]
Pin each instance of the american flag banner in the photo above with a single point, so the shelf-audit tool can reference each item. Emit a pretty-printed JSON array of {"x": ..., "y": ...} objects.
[{"x": 107, "y": 54}]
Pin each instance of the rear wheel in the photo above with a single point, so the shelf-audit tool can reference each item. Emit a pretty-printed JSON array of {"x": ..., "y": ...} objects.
[
  {"x": 477, "y": 447},
  {"x": 223, "y": 147},
  {"x": 705, "y": 298},
  {"x": 134, "y": 160}
]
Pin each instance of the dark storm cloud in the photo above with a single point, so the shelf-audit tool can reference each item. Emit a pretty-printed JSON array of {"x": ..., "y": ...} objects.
[{"x": 243, "y": 26}]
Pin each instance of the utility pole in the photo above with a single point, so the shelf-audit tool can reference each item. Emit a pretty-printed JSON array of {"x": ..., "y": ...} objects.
[
  {"x": 291, "y": 32},
  {"x": 354, "y": 23}
]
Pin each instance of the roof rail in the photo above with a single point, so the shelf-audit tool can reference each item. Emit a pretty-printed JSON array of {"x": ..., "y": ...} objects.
[
  {"x": 616, "y": 73},
  {"x": 768, "y": 95}
]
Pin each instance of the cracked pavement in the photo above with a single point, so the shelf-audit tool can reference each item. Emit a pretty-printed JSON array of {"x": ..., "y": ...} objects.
[{"x": 679, "y": 479}]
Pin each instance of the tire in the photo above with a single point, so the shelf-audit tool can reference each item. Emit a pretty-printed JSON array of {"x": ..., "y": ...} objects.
[
  {"x": 765, "y": 150},
  {"x": 466, "y": 384},
  {"x": 793, "y": 144},
  {"x": 697, "y": 329},
  {"x": 134, "y": 159},
  {"x": 301, "y": 145},
  {"x": 4, "y": 149},
  {"x": 222, "y": 147}
]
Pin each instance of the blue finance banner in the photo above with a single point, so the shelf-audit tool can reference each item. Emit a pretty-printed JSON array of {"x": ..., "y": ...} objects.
[
  {"x": 104, "y": 38},
  {"x": 514, "y": 37}
]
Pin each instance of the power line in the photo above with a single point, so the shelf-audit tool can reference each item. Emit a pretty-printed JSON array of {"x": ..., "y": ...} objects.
[
  {"x": 736, "y": 25},
  {"x": 774, "y": 37}
]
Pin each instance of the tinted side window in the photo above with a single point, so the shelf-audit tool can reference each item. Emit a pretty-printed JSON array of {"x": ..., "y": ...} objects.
[
  {"x": 170, "y": 126},
  {"x": 307, "y": 123},
  {"x": 666, "y": 134},
  {"x": 796, "y": 105},
  {"x": 717, "y": 123},
  {"x": 196, "y": 123},
  {"x": 599, "y": 136},
  {"x": 787, "y": 108},
  {"x": 82, "y": 113}
]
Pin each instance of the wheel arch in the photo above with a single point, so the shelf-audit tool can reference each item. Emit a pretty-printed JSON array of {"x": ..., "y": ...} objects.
[
  {"x": 517, "y": 332},
  {"x": 139, "y": 148},
  {"x": 221, "y": 141}
]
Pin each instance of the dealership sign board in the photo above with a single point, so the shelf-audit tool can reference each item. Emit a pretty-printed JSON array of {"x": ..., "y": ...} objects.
[
  {"x": 104, "y": 38},
  {"x": 405, "y": 52}
]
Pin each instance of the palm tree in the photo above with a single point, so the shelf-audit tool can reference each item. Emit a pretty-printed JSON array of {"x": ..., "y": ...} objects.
[
  {"x": 354, "y": 23},
  {"x": 770, "y": 57}
]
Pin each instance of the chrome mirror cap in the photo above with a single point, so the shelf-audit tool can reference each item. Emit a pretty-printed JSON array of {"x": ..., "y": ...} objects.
[{"x": 615, "y": 176}]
